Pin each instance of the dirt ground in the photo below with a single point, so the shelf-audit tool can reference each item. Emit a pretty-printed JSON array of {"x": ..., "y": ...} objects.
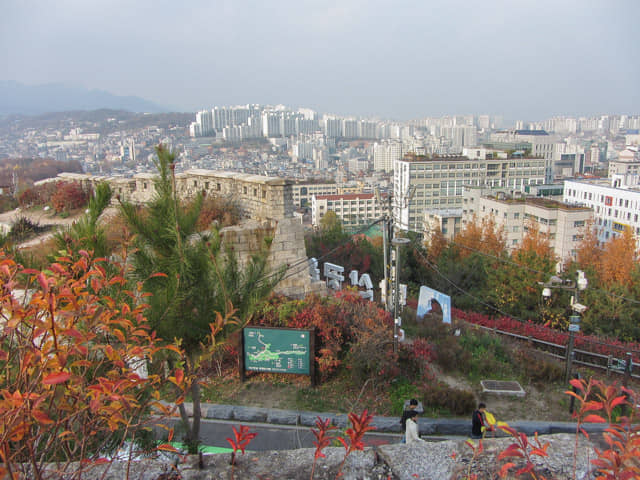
[
  {"x": 537, "y": 404},
  {"x": 44, "y": 218},
  {"x": 548, "y": 405}
]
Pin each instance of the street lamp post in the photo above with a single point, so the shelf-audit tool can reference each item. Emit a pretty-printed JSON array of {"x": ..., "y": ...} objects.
[
  {"x": 578, "y": 308},
  {"x": 397, "y": 242}
]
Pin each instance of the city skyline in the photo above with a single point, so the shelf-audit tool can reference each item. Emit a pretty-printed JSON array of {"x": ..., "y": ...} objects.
[{"x": 529, "y": 60}]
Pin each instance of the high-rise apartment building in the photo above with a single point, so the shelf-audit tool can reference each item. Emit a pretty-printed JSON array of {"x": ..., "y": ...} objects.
[
  {"x": 333, "y": 127},
  {"x": 271, "y": 124},
  {"x": 385, "y": 153}
]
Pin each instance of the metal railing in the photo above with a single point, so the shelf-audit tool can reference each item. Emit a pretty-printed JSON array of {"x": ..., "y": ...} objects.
[{"x": 609, "y": 363}]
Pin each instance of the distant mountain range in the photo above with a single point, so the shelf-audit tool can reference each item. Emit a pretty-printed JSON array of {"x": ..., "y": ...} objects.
[{"x": 17, "y": 98}]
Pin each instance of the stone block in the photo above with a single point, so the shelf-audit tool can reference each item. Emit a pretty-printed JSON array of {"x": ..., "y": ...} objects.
[
  {"x": 562, "y": 427},
  {"x": 448, "y": 426},
  {"x": 387, "y": 424},
  {"x": 426, "y": 426},
  {"x": 282, "y": 417},
  {"x": 530, "y": 428},
  {"x": 250, "y": 414},
  {"x": 308, "y": 419},
  {"x": 220, "y": 412}
]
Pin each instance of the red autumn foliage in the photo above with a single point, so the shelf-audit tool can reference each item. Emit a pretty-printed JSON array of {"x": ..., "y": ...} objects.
[
  {"x": 69, "y": 196},
  {"x": 343, "y": 323},
  {"x": 592, "y": 343}
]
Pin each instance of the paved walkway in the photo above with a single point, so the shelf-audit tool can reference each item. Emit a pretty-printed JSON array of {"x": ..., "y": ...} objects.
[{"x": 428, "y": 426}]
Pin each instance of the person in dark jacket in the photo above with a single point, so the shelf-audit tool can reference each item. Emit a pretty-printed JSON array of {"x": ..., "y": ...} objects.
[{"x": 478, "y": 421}]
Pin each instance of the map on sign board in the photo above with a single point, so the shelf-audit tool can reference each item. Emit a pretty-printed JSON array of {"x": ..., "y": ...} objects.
[{"x": 277, "y": 350}]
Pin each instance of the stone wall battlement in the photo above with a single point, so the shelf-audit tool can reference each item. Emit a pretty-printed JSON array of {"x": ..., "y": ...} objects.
[
  {"x": 258, "y": 197},
  {"x": 265, "y": 202}
]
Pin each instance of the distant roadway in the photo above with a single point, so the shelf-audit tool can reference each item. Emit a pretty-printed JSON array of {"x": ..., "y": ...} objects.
[{"x": 274, "y": 437}]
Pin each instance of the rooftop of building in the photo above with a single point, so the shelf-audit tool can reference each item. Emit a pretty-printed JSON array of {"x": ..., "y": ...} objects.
[
  {"x": 347, "y": 196},
  {"x": 535, "y": 201},
  {"x": 515, "y": 155},
  {"x": 605, "y": 183},
  {"x": 246, "y": 177},
  {"x": 525, "y": 132}
]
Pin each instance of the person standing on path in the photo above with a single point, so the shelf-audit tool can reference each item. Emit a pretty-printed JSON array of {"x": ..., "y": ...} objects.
[
  {"x": 412, "y": 405},
  {"x": 413, "y": 432}
]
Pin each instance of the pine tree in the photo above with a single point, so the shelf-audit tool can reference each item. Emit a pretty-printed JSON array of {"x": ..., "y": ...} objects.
[
  {"x": 199, "y": 290},
  {"x": 85, "y": 233}
]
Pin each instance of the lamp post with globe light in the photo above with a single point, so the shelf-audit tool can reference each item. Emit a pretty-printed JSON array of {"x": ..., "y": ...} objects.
[{"x": 574, "y": 320}]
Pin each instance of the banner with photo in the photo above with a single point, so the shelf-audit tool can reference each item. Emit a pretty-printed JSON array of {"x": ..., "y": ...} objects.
[{"x": 427, "y": 295}]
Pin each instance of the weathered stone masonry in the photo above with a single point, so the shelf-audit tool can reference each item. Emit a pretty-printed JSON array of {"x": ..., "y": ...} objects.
[{"x": 265, "y": 202}]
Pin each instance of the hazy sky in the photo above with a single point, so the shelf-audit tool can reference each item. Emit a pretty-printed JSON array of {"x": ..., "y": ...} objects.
[{"x": 395, "y": 59}]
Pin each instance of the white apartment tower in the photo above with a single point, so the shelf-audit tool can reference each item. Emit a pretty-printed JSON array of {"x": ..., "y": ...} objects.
[{"x": 385, "y": 154}]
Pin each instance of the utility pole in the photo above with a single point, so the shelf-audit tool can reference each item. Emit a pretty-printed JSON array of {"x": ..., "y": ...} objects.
[
  {"x": 397, "y": 242},
  {"x": 387, "y": 235},
  {"x": 392, "y": 262}
]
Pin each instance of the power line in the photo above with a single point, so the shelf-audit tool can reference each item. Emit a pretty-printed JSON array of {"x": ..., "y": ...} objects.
[
  {"x": 457, "y": 287},
  {"x": 492, "y": 307}
]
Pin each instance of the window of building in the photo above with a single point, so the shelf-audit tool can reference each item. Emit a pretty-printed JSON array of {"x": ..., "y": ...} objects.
[{"x": 578, "y": 223}]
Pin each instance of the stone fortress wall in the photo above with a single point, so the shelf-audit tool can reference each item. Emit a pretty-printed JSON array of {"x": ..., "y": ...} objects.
[{"x": 265, "y": 202}]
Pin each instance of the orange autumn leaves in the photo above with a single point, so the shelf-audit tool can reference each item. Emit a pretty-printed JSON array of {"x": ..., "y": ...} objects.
[
  {"x": 613, "y": 262},
  {"x": 72, "y": 342}
]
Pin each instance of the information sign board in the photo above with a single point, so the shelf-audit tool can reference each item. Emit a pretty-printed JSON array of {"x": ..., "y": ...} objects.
[{"x": 280, "y": 350}]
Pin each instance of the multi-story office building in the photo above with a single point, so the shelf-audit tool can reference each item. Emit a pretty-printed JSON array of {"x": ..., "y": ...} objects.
[
  {"x": 615, "y": 209},
  {"x": 303, "y": 192},
  {"x": 438, "y": 182},
  {"x": 538, "y": 142},
  {"x": 353, "y": 209},
  {"x": 568, "y": 160},
  {"x": 561, "y": 222}
]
